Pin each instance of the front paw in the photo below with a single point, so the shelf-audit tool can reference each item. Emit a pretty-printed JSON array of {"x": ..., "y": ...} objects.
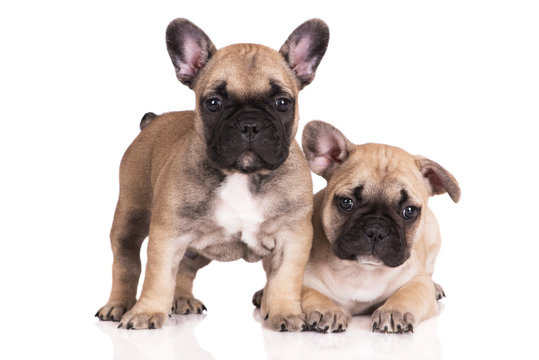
[
  {"x": 142, "y": 319},
  {"x": 330, "y": 320},
  {"x": 112, "y": 312},
  {"x": 188, "y": 305},
  {"x": 392, "y": 321},
  {"x": 285, "y": 322},
  {"x": 282, "y": 315}
]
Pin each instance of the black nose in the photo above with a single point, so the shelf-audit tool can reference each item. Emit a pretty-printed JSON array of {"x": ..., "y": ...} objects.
[
  {"x": 377, "y": 232},
  {"x": 249, "y": 129}
]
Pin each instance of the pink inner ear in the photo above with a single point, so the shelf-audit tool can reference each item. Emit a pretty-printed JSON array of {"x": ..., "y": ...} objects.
[
  {"x": 435, "y": 181},
  {"x": 193, "y": 59},
  {"x": 331, "y": 147},
  {"x": 299, "y": 62},
  {"x": 319, "y": 164},
  {"x": 335, "y": 154},
  {"x": 329, "y": 151},
  {"x": 326, "y": 160}
]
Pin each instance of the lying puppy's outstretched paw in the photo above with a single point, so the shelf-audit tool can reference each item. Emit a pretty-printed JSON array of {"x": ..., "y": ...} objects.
[
  {"x": 392, "y": 321},
  {"x": 334, "y": 320}
]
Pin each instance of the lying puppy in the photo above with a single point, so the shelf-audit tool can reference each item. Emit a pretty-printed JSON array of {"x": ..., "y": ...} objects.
[
  {"x": 224, "y": 182},
  {"x": 375, "y": 239}
]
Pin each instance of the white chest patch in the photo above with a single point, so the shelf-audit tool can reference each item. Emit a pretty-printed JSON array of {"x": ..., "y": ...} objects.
[{"x": 237, "y": 210}]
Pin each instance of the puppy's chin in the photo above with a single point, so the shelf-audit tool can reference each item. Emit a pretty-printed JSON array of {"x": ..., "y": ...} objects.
[
  {"x": 248, "y": 162},
  {"x": 369, "y": 260}
]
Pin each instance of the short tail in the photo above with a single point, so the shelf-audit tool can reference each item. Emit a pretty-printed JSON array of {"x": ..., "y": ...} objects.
[{"x": 147, "y": 119}]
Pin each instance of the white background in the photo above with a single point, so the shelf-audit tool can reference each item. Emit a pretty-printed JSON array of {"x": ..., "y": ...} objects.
[{"x": 456, "y": 81}]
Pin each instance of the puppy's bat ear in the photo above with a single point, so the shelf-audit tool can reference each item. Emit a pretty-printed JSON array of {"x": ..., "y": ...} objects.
[
  {"x": 304, "y": 49},
  {"x": 325, "y": 147},
  {"x": 440, "y": 180},
  {"x": 189, "y": 49}
]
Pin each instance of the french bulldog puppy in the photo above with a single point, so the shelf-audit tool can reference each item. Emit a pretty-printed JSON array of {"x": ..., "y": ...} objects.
[
  {"x": 375, "y": 238},
  {"x": 223, "y": 182}
]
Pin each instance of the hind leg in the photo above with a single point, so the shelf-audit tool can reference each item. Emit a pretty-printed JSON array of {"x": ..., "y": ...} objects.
[
  {"x": 129, "y": 229},
  {"x": 184, "y": 301},
  {"x": 257, "y": 298},
  {"x": 439, "y": 291}
]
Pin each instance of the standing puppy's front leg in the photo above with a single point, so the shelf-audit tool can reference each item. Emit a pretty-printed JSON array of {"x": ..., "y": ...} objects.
[
  {"x": 411, "y": 304},
  {"x": 165, "y": 251},
  {"x": 281, "y": 303}
]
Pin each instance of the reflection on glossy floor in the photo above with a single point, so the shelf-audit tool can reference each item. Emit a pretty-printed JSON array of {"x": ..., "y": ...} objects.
[
  {"x": 175, "y": 339},
  {"x": 195, "y": 337}
]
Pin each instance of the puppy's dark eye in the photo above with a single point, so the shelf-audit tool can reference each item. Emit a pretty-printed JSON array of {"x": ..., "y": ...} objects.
[
  {"x": 213, "y": 104},
  {"x": 282, "y": 104},
  {"x": 346, "y": 204},
  {"x": 410, "y": 212}
]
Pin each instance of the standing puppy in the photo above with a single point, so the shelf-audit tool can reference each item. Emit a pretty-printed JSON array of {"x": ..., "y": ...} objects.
[
  {"x": 225, "y": 182},
  {"x": 375, "y": 239}
]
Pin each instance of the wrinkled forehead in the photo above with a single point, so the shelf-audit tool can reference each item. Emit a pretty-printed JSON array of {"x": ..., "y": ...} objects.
[
  {"x": 247, "y": 69},
  {"x": 389, "y": 190},
  {"x": 377, "y": 178}
]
